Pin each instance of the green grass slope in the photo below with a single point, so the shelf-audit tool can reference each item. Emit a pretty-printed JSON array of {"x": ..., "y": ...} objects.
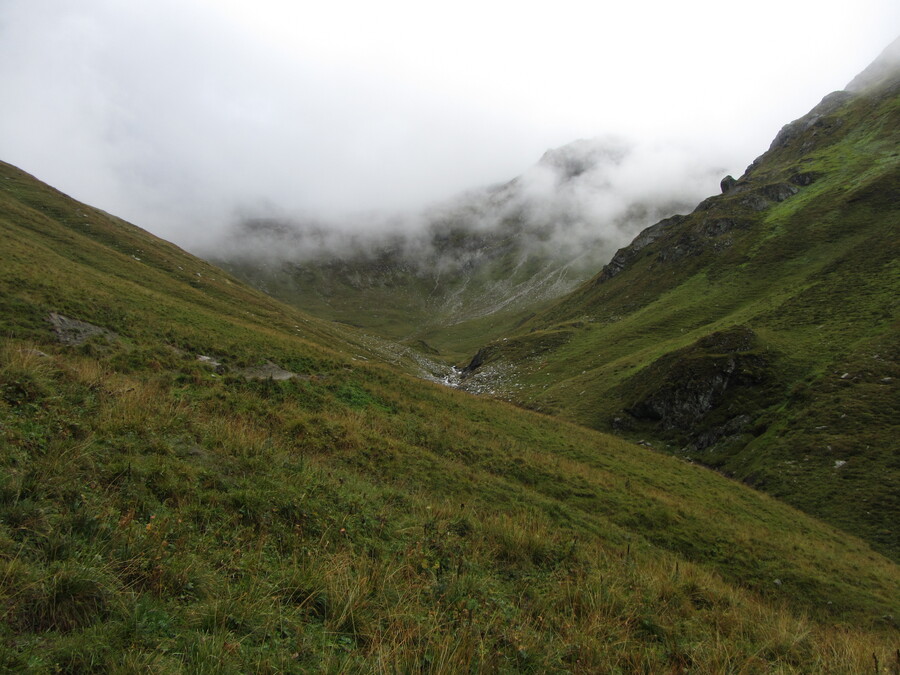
[
  {"x": 159, "y": 515},
  {"x": 760, "y": 334}
]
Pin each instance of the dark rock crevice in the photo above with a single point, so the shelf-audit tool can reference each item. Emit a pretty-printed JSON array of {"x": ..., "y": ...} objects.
[{"x": 711, "y": 389}]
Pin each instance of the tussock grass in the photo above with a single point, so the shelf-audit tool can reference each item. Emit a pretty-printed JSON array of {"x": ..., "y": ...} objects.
[{"x": 230, "y": 546}]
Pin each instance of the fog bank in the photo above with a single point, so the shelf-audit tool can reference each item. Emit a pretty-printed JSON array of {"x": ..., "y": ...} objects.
[{"x": 179, "y": 114}]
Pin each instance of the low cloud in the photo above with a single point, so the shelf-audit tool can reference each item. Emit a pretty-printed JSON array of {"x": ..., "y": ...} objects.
[
  {"x": 577, "y": 205},
  {"x": 179, "y": 114}
]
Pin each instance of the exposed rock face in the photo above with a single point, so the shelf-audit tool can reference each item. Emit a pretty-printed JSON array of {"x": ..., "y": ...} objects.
[
  {"x": 717, "y": 226},
  {"x": 689, "y": 392},
  {"x": 732, "y": 427},
  {"x": 624, "y": 256},
  {"x": 74, "y": 332},
  {"x": 267, "y": 371},
  {"x": 577, "y": 157},
  {"x": 681, "y": 389},
  {"x": 710, "y": 231},
  {"x": 805, "y": 178},
  {"x": 755, "y": 202},
  {"x": 477, "y": 361},
  {"x": 778, "y": 192},
  {"x": 815, "y": 117}
]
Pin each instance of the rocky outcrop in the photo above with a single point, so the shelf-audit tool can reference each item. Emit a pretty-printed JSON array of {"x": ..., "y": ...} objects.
[
  {"x": 704, "y": 229},
  {"x": 805, "y": 178},
  {"x": 755, "y": 202},
  {"x": 778, "y": 192},
  {"x": 267, "y": 371},
  {"x": 625, "y": 256},
  {"x": 681, "y": 390},
  {"x": 477, "y": 361},
  {"x": 731, "y": 428},
  {"x": 762, "y": 198},
  {"x": 817, "y": 117},
  {"x": 693, "y": 388},
  {"x": 75, "y": 332},
  {"x": 575, "y": 158},
  {"x": 714, "y": 227}
]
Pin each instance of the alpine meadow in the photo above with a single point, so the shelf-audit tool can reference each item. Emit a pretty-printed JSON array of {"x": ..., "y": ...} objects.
[{"x": 472, "y": 451}]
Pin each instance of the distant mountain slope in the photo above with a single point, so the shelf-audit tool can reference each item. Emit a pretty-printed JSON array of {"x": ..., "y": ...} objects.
[
  {"x": 759, "y": 334},
  {"x": 460, "y": 273},
  {"x": 197, "y": 478}
]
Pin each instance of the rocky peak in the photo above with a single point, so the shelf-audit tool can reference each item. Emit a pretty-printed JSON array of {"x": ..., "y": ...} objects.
[
  {"x": 575, "y": 158},
  {"x": 728, "y": 183}
]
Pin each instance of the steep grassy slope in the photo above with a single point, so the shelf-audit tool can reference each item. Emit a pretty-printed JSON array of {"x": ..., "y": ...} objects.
[
  {"x": 159, "y": 515},
  {"x": 760, "y": 334}
]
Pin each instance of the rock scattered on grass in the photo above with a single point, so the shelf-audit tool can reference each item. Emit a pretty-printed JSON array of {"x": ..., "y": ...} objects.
[
  {"x": 266, "y": 371},
  {"x": 212, "y": 363},
  {"x": 73, "y": 332}
]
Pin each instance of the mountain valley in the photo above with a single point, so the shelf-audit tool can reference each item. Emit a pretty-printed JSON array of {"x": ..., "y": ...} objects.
[
  {"x": 196, "y": 476},
  {"x": 757, "y": 334},
  {"x": 460, "y": 273}
]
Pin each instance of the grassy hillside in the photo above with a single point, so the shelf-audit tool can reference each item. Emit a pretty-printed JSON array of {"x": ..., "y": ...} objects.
[
  {"x": 158, "y": 514},
  {"x": 760, "y": 334}
]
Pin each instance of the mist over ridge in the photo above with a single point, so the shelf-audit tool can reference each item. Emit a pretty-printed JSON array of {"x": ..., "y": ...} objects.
[
  {"x": 490, "y": 255},
  {"x": 582, "y": 200},
  {"x": 177, "y": 115}
]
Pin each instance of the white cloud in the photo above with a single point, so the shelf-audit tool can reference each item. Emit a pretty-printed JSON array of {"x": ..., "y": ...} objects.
[{"x": 174, "y": 114}]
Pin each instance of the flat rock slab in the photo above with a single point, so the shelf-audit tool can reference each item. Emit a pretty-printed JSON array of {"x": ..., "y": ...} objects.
[
  {"x": 208, "y": 360},
  {"x": 74, "y": 332},
  {"x": 266, "y": 371}
]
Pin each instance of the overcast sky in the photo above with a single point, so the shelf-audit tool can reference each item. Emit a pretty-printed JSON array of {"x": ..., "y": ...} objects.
[{"x": 175, "y": 113}]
